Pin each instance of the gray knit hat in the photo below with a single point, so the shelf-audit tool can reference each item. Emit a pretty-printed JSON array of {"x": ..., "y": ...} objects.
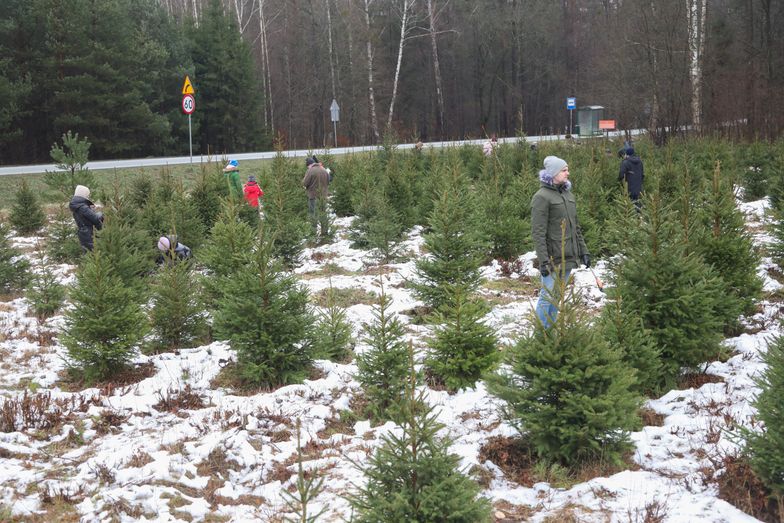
[{"x": 553, "y": 165}]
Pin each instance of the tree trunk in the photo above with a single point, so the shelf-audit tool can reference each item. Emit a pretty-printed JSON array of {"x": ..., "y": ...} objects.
[
  {"x": 436, "y": 67},
  {"x": 331, "y": 50},
  {"x": 266, "y": 74},
  {"x": 371, "y": 95},
  {"x": 696, "y": 12}
]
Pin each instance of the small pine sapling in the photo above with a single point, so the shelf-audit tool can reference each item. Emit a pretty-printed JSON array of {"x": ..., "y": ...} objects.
[
  {"x": 71, "y": 160},
  {"x": 45, "y": 294},
  {"x": 128, "y": 250},
  {"x": 307, "y": 489},
  {"x": 285, "y": 209},
  {"x": 105, "y": 324},
  {"x": 27, "y": 216},
  {"x": 464, "y": 347},
  {"x": 382, "y": 368},
  {"x": 764, "y": 447},
  {"x": 14, "y": 273},
  {"x": 176, "y": 316},
  {"x": 413, "y": 476},
  {"x": 566, "y": 390},
  {"x": 384, "y": 230},
  {"x": 332, "y": 337}
]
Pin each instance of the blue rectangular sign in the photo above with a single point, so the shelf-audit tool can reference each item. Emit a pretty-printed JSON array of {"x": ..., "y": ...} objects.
[{"x": 571, "y": 103}]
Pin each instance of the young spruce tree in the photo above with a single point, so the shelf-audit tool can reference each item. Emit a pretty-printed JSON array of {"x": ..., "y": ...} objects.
[
  {"x": 62, "y": 244},
  {"x": 176, "y": 316},
  {"x": 106, "y": 322},
  {"x": 413, "y": 477},
  {"x": 456, "y": 246},
  {"x": 464, "y": 347},
  {"x": 14, "y": 273},
  {"x": 566, "y": 390},
  {"x": 383, "y": 367},
  {"x": 263, "y": 312},
  {"x": 45, "y": 294},
  {"x": 764, "y": 448},
  {"x": 332, "y": 337},
  {"x": 27, "y": 215},
  {"x": 675, "y": 293}
]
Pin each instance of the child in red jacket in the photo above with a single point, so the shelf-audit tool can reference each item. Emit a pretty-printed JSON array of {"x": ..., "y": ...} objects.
[{"x": 252, "y": 191}]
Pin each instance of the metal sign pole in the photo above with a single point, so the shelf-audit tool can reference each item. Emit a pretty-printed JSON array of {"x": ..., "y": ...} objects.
[
  {"x": 335, "y": 132},
  {"x": 570, "y": 122},
  {"x": 190, "y": 137}
]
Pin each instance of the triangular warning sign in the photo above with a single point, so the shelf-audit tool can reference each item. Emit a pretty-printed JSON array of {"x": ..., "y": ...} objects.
[{"x": 187, "y": 87}]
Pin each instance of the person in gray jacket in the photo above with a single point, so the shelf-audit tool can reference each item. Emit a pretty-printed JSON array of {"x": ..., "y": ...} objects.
[
  {"x": 557, "y": 236},
  {"x": 316, "y": 184}
]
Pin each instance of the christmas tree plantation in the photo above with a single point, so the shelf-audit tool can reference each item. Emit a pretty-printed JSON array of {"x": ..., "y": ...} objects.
[
  {"x": 13, "y": 267},
  {"x": 27, "y": 215},
  {"x": 177, "y": 314},
  {"x": 332, "y": 337}
]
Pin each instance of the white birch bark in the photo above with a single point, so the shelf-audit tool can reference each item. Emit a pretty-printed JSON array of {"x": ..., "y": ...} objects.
[
  {"x": 401, "y": 45},
  {"x": 371, "y": 95},
  {"x": 696, "y": 12},
  {"x": 436, "y": 66},
  {"x": 331, "y": 50}
]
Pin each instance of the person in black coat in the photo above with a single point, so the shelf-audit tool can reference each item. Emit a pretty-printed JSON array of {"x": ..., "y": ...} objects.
[
  {"x": 632, "y": 173},
  {"x": 85, "y": 216}
]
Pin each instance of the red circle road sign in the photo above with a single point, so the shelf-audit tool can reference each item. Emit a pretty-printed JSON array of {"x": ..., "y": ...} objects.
[{"x": 188, "y": 104}]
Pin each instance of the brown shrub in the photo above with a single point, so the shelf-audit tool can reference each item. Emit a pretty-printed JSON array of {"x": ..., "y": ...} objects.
[
  {"x": 175, "y": 400},
  {"x": 740, "y": 486}
]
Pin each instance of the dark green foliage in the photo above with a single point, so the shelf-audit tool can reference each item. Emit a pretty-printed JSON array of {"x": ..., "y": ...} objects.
[
  {"x": 342, "y": 184},
  {"x": 128, "y": 250},
  {"x": 413, "y": 477},
  {"x": 455, "y": 243},
  {"x": 208, "y": 195},
  {"x": 168, "y": 210},
  {"x": 45, "y": 294},
  {"x": 263, "y": 312},
  {"x": 285, "y": 209},
  {"x": 383, "y": 367},
  {"x": 505, "y": 221},
  {"x": 71, "y": 159},
  {"x": 764, "y": 447},
  {"x": 728, "y": 248},
  {"x": 13, "y": 267},
  {"x": 106, "y": 322},
  {"x": 62, "y": 244},
  {"x": 228, "y": 250},
  {"x": 567, "y": 390},
  {"x": 464, "y": 348},
  {"x": 678, "y": 297},
  {"x": 384, "y": 230},
  {"x": 777, "y": 231},
  {"x": 27, "y": 215},
  {"x": 757, "y": 166},
  {"x": 177, "y": 316},
  {"x": 333, "y": 335},
  {"x": 625, "y": 333}
]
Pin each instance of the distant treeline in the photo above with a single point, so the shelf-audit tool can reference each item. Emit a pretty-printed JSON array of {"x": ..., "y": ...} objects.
[{"x": 112, "y": 70}]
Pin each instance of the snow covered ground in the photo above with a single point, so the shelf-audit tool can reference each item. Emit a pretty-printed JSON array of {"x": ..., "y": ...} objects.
[{"x": 122, "y": 456}]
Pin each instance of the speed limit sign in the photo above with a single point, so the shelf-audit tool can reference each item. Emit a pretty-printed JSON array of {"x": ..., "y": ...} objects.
[{"x": 188, "y": 104}]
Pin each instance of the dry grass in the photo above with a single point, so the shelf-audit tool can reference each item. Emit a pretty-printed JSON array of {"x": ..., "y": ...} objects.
[
  {"x": 130, "y": 376},
  {"x": 139, "y": 459},
  {"x": 326, "y": 270},
  {"x": 175, "y": 400},
  {"x": 741, "y": 487},
  {"x": 651, "y": 418},
  {"x": 505, "y": 512},
  {"x": 345, "y": 297},
  {"x": 694, "y": 380}
]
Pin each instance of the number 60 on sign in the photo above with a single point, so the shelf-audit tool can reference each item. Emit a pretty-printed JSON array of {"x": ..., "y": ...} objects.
[{"x": 188, "y": 104}]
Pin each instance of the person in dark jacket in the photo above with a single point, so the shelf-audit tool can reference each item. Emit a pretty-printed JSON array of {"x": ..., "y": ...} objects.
[
  {"x": 632, "y": 174},
  {"x": 85, "y": 216},
  {"x": 172, "y": 250},
  {"x": 557, "y": 236},
  {"x": 316, "y": 184}
]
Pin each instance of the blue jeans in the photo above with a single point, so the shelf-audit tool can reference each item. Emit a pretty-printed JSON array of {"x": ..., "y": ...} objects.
[{"x": 545, "y": 309}]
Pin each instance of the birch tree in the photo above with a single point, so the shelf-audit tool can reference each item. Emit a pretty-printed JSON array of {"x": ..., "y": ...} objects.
[
  {"x": 431, "y": 15},
  {"x": 696, "y": 10},
  {"x": 404, "y": 29},
  {"x": 371, "y": 94}
]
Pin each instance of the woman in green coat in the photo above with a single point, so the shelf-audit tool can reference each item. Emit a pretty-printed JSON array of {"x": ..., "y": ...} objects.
[
  {"x": 232, "y": 173},
  {"x": 553, "y": 225}
]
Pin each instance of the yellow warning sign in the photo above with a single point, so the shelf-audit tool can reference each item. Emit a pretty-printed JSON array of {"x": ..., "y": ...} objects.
[{"x": 187, "y": 87}]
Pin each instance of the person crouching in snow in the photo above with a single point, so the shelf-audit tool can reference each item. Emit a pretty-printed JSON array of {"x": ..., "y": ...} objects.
[
  {"x": 252, "y": 191},
  {"x": 85, "y": 216},
  {"x": 553, "y": 225},
  {"x": 171, "y": 250}
]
